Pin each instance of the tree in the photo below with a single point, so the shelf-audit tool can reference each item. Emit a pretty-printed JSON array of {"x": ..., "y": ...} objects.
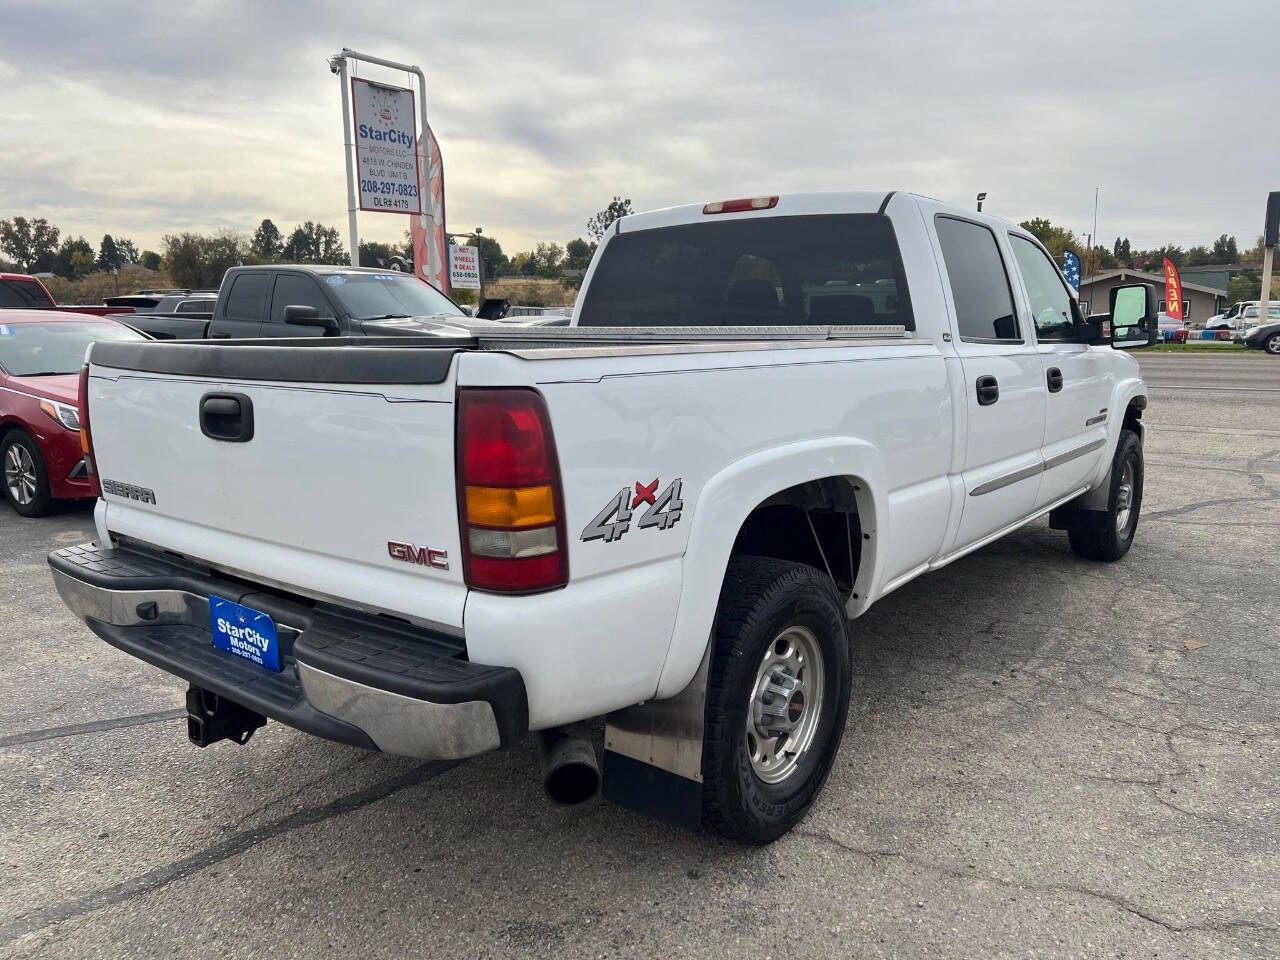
[
  {"x": 1057, "y": 240},
  {"x": 548, "y": 259},
  {"x": 266, "y": 245},
  {"x": 602, "y": 221},
  {"x": 315, "y": 243},
  {"x": 1153, "y": 260},
  {"x": 74, "y": 259},
  {"x": 495, "y": 261},
  {"x": 219, "y": 253},
  {"x": 108, "y": 254},
  {"x": 28, "y": 241},
  {"x": 150, "y": 259},
  {"x": 127, "y": 251},
  {"x": 524, "y": 264},
  {"x": 1245, "y": 285},
  {"x": 1123, "y": 252},
  {"x": 184, "y": 258},
  {"x": 578, "y": 254},
  {"x": 1198, "y": 256},
  {"x": 375, "y": 254},
  {"x": 1224, "y": 250}
]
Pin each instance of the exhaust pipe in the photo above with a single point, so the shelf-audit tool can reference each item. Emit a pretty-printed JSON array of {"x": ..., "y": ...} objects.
[{"x": 570, "y": 775}]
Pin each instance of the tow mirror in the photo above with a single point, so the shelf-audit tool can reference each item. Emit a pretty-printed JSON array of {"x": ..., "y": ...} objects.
[
  {"x": 1133, "y": 316},
  {"x": 305, "y": 316}
]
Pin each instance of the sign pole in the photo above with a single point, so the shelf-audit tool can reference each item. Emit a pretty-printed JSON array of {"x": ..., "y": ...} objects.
[
  {"x": 433, "y": 256},
  {"x": 348, "y": 147},
  {"x": 1270, "y": 237}
]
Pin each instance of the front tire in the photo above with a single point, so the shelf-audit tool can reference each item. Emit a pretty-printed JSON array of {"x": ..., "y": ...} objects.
[
  {"x": 1272, "y": 345},
  {"x": 1108, "y": 536},
  {"x": 23, "y": 475},
  {"x": 777, "y": 697}
]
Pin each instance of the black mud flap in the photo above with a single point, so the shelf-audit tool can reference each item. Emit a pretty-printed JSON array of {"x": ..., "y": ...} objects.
[{"x": 653, "y": 755}]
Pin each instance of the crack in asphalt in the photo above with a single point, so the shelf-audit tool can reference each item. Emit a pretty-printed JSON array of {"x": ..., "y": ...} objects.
[
  {"x": 874, "y": 855},
  {"x": 92, "y": 726},
  {"x": 162, "y": 876}
]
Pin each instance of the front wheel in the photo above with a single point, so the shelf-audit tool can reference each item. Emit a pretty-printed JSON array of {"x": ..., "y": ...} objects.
[
  {"x": 1272, "y": 345},
  {"x": 1109, "y": 535},
  {"x": 25, "y": 480},
  {"x": 777, "y": 697}
]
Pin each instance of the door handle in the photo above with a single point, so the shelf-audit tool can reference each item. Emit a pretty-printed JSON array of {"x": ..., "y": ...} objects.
[
  {"x": 1055, "y": 379},
  {"x": 219, "y": 336},
  {"x": 988, "y": 391},
  {"x": 226, "y": 416}
]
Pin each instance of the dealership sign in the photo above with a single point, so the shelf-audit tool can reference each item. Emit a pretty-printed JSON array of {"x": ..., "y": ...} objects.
[
  {"x": 464, "y": 267},
  {"x": 385, "y": 123}
]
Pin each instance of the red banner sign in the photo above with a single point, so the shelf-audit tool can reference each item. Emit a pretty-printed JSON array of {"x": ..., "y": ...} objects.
[
  {"x": 1172, "y": 291},
  {"x": 427, "y": 230}
]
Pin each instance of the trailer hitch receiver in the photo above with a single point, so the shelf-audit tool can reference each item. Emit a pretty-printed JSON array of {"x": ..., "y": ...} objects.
[{"x": 211, "y": 718}]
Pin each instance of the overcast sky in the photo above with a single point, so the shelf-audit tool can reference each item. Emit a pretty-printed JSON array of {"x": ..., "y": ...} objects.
[{"x": 140, "y": 119}]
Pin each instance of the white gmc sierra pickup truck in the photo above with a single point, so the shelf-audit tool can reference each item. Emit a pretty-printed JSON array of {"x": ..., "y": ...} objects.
[{"x": 766, "y": 415}]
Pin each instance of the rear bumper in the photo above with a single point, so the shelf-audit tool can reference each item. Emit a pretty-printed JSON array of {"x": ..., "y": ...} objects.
[{"x": 348, "y": 676}]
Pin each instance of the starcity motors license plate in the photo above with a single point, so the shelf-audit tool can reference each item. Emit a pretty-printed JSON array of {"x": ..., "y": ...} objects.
[{"x": 244, "y": 632}]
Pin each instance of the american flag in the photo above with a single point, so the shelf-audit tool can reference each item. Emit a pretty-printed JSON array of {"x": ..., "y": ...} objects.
[{"x": 1071, "y": 269}]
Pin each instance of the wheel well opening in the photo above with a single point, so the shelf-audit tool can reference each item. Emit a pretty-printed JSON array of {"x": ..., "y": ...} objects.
[
  {"x": 1133, "y": 414},
  {"x": 815, "y": 523}
]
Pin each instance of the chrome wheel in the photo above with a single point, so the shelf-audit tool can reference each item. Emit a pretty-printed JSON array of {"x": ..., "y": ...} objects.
[
  {"x": 786, "y": 704},
  {"x": 1273, "y": 344},
  {"x": 1124, "y": 496},
  {"x": 20, "y": 475}
]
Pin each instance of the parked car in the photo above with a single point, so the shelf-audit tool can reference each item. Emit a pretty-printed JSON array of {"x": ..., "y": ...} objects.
[
  {"x": 41, "y": 352},
  {"x": 310, "y": 300},
  {"x": 165, "y": 301},
  {"x": 1265, "y": 336},
  {"x": 766, "y": 415},
  {"x": 21, "y": 291}
]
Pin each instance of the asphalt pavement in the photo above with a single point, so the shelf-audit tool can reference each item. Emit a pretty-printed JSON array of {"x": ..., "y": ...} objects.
[{"x": 1045, "y": 757}]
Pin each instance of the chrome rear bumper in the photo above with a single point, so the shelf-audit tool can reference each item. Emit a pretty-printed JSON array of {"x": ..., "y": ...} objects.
[{"x": 345, "y": 675}]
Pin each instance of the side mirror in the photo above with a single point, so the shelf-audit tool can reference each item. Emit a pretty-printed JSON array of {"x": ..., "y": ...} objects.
[
  {"x": 304, "y": 316},
  {"x": 1133, "y": 316}
]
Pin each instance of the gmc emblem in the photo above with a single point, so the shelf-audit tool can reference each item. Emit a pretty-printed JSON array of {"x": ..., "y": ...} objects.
[{"x": 423, "y": 556}]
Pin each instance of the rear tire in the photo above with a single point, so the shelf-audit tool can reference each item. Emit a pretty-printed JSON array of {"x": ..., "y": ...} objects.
[
  {"x": 780, "y": 661},
  {"x": 23, "y": 476},
  {"x": 1108, "y": 536}
]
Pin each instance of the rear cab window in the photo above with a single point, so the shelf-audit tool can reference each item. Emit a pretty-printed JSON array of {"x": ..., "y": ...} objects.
[
  {"x": 23, "y": 295},
  {"x": 825, "y": 270}
]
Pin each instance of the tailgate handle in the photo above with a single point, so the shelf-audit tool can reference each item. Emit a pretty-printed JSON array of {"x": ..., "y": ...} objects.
[{"x": 226, "y": 416}]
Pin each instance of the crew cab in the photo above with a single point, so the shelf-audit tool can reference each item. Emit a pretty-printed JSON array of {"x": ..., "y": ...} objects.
[
  {"x": 309, "y": 300},
  {"x": 766, "y": 415},
  {"x": 21, "y": 291}
]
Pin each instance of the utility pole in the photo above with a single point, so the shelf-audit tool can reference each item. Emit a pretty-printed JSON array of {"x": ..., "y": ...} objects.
[{"x": 1270, "y": 236}]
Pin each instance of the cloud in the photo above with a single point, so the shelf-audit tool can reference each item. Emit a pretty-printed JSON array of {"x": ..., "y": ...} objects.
[{"x": 142, "y": 119}]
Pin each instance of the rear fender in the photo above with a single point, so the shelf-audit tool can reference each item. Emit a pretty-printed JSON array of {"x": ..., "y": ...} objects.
[{"x": 725, "y": 502}]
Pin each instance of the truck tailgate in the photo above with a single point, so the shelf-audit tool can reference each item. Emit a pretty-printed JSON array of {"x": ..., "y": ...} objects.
[{"x": 344, "y": 487}]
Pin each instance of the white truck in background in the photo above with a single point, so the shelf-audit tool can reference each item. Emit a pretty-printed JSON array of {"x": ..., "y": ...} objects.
[{"x": 767, "y": 414}]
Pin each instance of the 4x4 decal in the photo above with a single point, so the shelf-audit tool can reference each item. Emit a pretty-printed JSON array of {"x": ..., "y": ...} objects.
[{"x": 615, "y": 519}]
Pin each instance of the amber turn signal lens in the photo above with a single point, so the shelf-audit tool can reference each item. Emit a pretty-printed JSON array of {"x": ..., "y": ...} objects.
[{"x": 511, "y": 507}]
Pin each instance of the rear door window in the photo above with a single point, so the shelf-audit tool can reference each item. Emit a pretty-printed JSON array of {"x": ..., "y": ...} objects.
[
  {"x": 828, "y": 270},
  {"x": 248, "y": 296},
  {"x": 979, "y": 282}
]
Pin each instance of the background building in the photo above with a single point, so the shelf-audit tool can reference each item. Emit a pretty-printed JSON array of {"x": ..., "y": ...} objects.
[{"x": 1199, "y": 301}]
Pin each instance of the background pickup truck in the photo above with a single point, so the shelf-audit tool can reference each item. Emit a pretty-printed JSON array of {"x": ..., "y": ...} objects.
[
  {"x": 768, "y": 414},
  {"x": 20, "y": 291},
  {"x": 310, "y": 301}
]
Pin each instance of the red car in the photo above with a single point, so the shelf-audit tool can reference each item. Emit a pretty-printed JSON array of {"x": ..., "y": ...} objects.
[
  {"x": 22, "y": 291},
  {"x": 41, "y": 352}
]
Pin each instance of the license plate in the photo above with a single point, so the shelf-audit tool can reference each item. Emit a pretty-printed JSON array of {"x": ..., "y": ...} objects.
[{"x": 244, "y": 632}]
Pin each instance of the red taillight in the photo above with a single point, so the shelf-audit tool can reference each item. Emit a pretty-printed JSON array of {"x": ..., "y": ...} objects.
[
  {"x": 739, "y": 206},
  {"x": 82, "y": 401},
  {"x": 510, "y": 503}
]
